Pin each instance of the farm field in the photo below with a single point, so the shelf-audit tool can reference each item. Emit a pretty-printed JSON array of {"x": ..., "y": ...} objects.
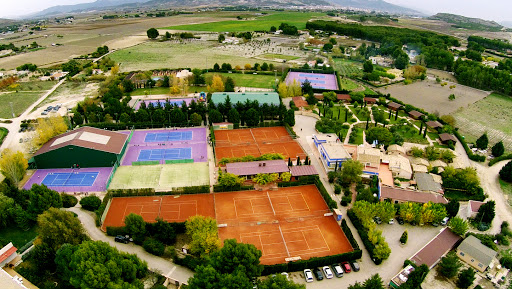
[
  {"x": 347, "y": 67},
  {"x": 248, "y": 80},
  {"x": 261, "y": 23},
  {"x": 158, "y": 55},
  {"x": 278, "y": 56},
  {"x": 348, "y": 84},
  {"x": 491, "y": 115},
  {"x": 20, "y": 102},
  {"x": 432, "y": 97}
]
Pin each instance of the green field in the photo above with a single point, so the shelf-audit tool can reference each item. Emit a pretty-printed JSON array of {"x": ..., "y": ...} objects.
[
  {"x": 165, "y": 90},
  {"x": 20, "y": 102},
  {"x": 159, "y": 55},
  {"x": 262, "y": 23},
  {"x": 248, "y": 79},
  {"x": 17, "y": 236},
  {"x": 507, "y": 190},
  {"x": 359, "y": 112},
  {"x": 3, "y": 134},
  {"x": 278, "y": 56},
  {"x": 36, "y": 85},
  {"x": 491, "y": 115},
  {"x": 347, "y": 84},
  {"x": 347, "y": 67},
  {"x": 338, "y": 112},
  {"x": 161, "y": 176}
]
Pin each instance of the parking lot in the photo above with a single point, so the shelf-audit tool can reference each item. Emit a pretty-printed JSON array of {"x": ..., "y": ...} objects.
[{"x": 418, "y": 237}]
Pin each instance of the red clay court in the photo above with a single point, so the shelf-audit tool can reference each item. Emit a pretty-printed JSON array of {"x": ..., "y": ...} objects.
[
  {"x": 256, "y": 142},
  {"x": 286, "y": 223},
  {"x": 169, "y": 208}
]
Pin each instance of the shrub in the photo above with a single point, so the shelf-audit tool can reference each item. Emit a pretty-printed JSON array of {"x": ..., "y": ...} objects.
[
  {"x": 506, "y": 172},
  {"x": 115, "y": 231},
  {"x": 68, "y": 201},
  {"x": 90, "y": 203},
  {"x": 403, "y": 238},
  {"x": 345, "y": 200},
  {"x": 154, "y": 247},
  {"x": 337, "y": 189}
]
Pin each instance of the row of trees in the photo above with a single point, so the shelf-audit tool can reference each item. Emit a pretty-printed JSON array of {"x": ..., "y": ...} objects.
[
  {"x": 476, "y": 75},
  {"x": 422, "y": 213},
  {"x": 225, "y": 67}
]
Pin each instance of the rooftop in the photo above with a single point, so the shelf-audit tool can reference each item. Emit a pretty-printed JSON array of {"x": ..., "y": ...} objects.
[
  {"x": 368, "y": 155},
  {"x": 7, "y": 251},
  {"x": 394, "y": 105},
  {"x": 326, "y": 137},
  {"x": 426, "y": 182},
  {"x": 343, "y": 97},
  {"x": 398, "y": 162},
  {"x": 258, "y": 167},
  {"x": 298, "y": 171},
  {"x": 262, "y": 97},
  {"x": 370, "y": 99},
  {"x": 444, "y": 137},
  {"x": 87, "y": 137},
  {"x": 396, "y": 148},
  {"x": 434, "y": 124},
  {"x": 472, "y": 246},
  {"x": 415, "y": 113},
  {"x": 475, "y": 205},
  {"x": 336, "y": 151},
  {"x": 436, "y": 248},
  {"x": 406, "y": 195}
]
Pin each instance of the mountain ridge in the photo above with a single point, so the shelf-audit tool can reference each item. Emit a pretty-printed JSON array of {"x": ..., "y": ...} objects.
[{"x": 460, "y": 21}]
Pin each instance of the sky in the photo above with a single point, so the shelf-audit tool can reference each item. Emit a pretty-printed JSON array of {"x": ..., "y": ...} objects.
[{"x": 498, "y": 10}]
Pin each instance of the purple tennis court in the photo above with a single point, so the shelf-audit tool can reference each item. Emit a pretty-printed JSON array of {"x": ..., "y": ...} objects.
[
  {"x": 72, "y": 180},
  {"x": 167, "y": 144},
  {"x": 317, "y": 80},
  {"x": 172, "y": 101}
]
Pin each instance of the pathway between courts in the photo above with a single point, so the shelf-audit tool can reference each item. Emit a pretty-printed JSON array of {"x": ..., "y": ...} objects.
[{"x": 155, "y": 263}]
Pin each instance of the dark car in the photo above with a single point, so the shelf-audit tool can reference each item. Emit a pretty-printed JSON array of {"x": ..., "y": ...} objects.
[
  {"x": 355, "y": 266},
  {"x": 377, "y": 220},
  {"x": 121, "y": 239},
  {"x": 346, "y": 267},
  {"x": 338, "y": 271},
  {"x": 318, "y": 274},
  {"x": 400, "y": 220}
]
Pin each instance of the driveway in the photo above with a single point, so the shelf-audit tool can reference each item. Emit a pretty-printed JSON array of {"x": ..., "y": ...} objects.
[{"x": 155, "y": 263}]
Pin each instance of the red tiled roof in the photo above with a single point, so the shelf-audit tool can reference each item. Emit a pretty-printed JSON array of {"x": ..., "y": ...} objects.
[
  {"x": 8, "y": 253},
  {"x": 299, "y": 101},
  {"x": 319, "y": 96},
  {"x": 370, "y": 99},
  {"x": 115, "y": 142},
  {"x": 343, "y": 97},
  {"x": 475, "y": 205},
  {"x": 415, "y": 114},
  {"x": 436, "y": 248},
  {"x": 298, "y": 171},
  {"x": 259, "y": 167},
  {"x": 411, "y": 196}
]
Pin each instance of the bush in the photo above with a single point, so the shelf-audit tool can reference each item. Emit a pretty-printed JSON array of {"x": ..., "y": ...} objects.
[
  {"x": 154, "y": 247},
  {"x": 363, "y": 233},
  {"x": 115, "y": 231},
  {"x": 345, "y": 200},
  {"x": 337, "y": 189},
  {"x": 90, "y": 203},
  {"x": 403, "y": 238},
  {"x": 348, "y": 233},
  {"x": 68, "y": 201}
]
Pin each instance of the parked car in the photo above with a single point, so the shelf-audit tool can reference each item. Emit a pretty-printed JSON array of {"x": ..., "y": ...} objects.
[
  {"x": 44, "y": 112},
  {"x": 121, "y": 239},
  {"x": 355, "y": 266},
  {"x": 327, "y": 272},
  {"x": 285, "y": 275},
  {"x": 318, "y": 274},
  {"x": 400, "y": 220},
  {"x": 445, "y": 221},
  {"x": 346, "y": 267},
  {"x": 49, "y": 107},
  {"x": 391, "y": 221},
  {"x": 336, "y": 268},
  {"x": 308, "y": 275},
  {"x": 377, "y": 220}
]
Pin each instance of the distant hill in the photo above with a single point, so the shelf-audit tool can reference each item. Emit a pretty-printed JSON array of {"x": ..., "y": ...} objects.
[
  {"x": 506, "y": 23},
  {"x": 459, "y": 21},
  {"x": 99, "y": 5}
]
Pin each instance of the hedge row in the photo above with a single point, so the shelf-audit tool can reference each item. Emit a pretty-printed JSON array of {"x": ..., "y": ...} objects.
[
  {"x": 330, "y": 202},
  {"x": 471, "y": 155},
  {"x": 363, "y": 233},
  {"x": 151, "y": 192},
  {"x": 311, "y": 263},
  {"x": 348, "y": 233},
  {"x": 499, "y": 159},
  {"x": 179, "y": 228},
  {"x": 304, "y": 180},
  {"x": 221, "y": 188}
]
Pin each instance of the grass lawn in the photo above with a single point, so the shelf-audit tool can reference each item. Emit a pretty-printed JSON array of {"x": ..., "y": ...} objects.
[
  {"x": 410, "y": 134},
  {"x": 433, "y": 135},
  {"x": 368, "y": 91},
  {"x": 460, "y": 196},
  {"x": 506, "y": 187},
  {"x": 3, "y": 134},
  {"x": 36, "y": 85},
  {"x": 20, "y": 102},
  {"x": 338, "y": 112},
  {"x": 248, "y": 79},
  {"x": 165, "y": 90},
  {"x": 357, "y": 131},
  {"x": 278, "y": 56},
  {"x": 359, "y": 115},
  {"x": 348, "y": 84},
  {"x": 262, "y": 23},
  {"x": 159, "y": 55},
  {"x": 17, "y": 236}
]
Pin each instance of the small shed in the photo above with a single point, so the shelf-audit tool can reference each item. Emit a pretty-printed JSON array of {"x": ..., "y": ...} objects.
[
  {"x": 319, "y": 96},
  {"x": 415, "y": 114},
  {"x": 394, "y": 106},
  {"x": 370, "y": 100},
  {"x": 434, "y": 124},
  {"x": 299, "y": 102},
  {"x": 446, "y": 138},
  {"x": 222, "y": 125},
  {"x": 343, "y": 97}
]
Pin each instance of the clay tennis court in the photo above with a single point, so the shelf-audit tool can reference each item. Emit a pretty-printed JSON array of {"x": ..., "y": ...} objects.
[
  {"x": 169, "y": 208},
  {"x": 256, "y": 142},
  {"x": 283, "y": 224}
]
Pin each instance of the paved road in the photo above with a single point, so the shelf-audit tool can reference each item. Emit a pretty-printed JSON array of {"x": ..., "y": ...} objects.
[{"x": 156, "y": 264}]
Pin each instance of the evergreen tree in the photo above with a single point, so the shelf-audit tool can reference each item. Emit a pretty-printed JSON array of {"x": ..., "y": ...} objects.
[
  {"x": 498, "y": 149},
  {"x": 482, "y": 142}
]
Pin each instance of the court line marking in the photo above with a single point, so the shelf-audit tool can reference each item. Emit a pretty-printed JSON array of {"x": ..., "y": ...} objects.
[{"x": 284, "y": 242}]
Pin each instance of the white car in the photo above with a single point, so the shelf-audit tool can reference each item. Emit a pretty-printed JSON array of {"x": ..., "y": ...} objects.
[
  {"x": 308, "y": 275},
  {"x": 327, "y": 272}
]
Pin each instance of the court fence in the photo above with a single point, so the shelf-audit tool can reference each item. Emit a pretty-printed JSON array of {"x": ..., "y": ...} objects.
[
  {"x": 145, "y": 163},
  {"x": 114, "y": 169}
]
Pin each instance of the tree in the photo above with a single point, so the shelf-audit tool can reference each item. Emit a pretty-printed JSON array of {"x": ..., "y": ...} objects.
[
  {"x": 95, "y": 264},
  {"x": 68, "y": 201},
  {"x": 380, "y": 134},
  {"x": 451, "y": 97},
  {"x": 47, "y": 128},
  {"x": 136, "y": 227},
  {"x": 306, "y": 87},
  {"x": 196, "y": 119},
  {"x": 327, "y": 47},
  {"x": 506, "y": 172},
  {"x": 458, "y": 226},
  {"x": 6, "y": 211},
  {"x": 153, "y": 246},
  {"x": 351, "y": 172},
  {"x": 57, "y": 227},
  {"x": 90, "y": 203},
  {"x": 221, "y": 38},
  {"x": 452, "y": 208},
  {"x": 41, "y": 199},
  {"x": 234, "y": 116},
  {"x": 230, "y": 180},
  {"x": 432, "y": 153},
  {"x": 233, "y": 255},
  {"x": 177, "y": 116},
  {"x": 279, "y": 281},
  {"x": 449, "y": 265},
  {"x": 152, "y": 33},
  {"x": 466, "y": 278},
  {"x": 403, "y": 238},
  {"x": 486, "y": 212},
  {"x": 13, "y": 165},
  {"x": 368, "y": 66},
  {"x": 217, "y": 84},
  {"x": 162, "y": 231},
  {"x": 252, "y": 117},
  {"x": 78, "y": 119},
  {"x": 498, "y": 149},
  {"x": 229, "y": 85},
  {"x": 374, "y": 282},
  {"x": 204, "y": 234},
  {"x": 289, "y": 117},
  {"x": 482, "y": 142},
  {"x": 214, "y": 116}
]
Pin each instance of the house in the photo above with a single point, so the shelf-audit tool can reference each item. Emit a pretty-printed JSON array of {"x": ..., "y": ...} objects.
[
  {"x": 416, "y": 114},
  {"x": 398, "y": 165},
  {"x": 343, "y": 97},
  {"x": 394, "y": 106},
  {"x": 251, "y": 169},
  {"x": 331, "y": 150},
  {"x": 439, "y": 246},
  {"x": 7, "y": 254},
  {"x": 473, "y": 207},
  {"x": 370, "y": 158},
  {"x": 299, "y": 102},
  {"x": 399, "y": 195},
  {"x": 9, "y": 282},
  {"x": 434, "y": 124},
  {"x": 395, "y": 149},
  {"x": 370, "y": 100},
  {"x": 426, "y": 183},
  {"x": 446, "y": 138},
  {"x": 475, "y": 254},
  {"x": 300, "y": 171},
  {"x": 416, "y": 168}
]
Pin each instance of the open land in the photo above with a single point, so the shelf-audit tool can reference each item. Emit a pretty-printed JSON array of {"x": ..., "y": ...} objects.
[
  {"x": 248, "y": 79},
  {"x": 69, "y": 93},
  {"x": 433, "y": 97},
  {"x": 20, "y": 100},
  {"x": 491, "y": 115}
]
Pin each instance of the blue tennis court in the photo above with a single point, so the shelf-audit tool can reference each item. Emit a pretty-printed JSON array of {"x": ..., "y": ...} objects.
[
  {"x": 312, "y": 81},
  {"x": 73, "y": 179},
  {"x": 168, "y": 136},
  {"x": 165, "y": 154},
  {"x": 315, "y": 75}
]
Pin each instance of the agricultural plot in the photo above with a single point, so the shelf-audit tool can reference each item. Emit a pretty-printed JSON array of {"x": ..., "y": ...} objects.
[
  {"x": 278, "y": 56},
  {"x": 20, "y": 102},
  {"x": 71, "y": 92},
  {"x": 491, "y": 115},
  {"x": 158, "y": 55},
  {"x": 261, "y": 23},
  {"x": 248, "y": 79},
  {"x": 347, "y": 67},
  {"x": 347, "y": 84}
]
